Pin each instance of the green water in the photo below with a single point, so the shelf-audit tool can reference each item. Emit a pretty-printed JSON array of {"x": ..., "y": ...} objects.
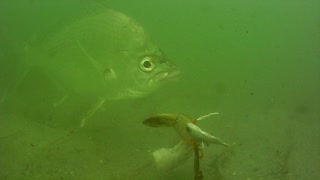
[{"x": 255, "y": 62}]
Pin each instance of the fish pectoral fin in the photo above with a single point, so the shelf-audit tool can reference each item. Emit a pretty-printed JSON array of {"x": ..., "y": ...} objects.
[
  {"x": 61, "y": 101},
  {"x": 92, "y": 110},
  {"x": 109, "y": 74}
]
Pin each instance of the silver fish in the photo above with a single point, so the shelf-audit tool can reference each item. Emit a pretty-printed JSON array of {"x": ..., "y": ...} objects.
[
  {"x": 203, "y": 136},
  {"x": 106, "y": 56}
]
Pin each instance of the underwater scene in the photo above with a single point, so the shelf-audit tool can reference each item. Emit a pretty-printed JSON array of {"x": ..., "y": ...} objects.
[{"x": 147, "y": 89}]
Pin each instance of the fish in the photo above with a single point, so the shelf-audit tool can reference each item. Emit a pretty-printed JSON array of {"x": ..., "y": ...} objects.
[
  {"x": 191, "y": 137},
  {"x": 185, "y": 127},
  {"x": 103, "y": 56},
  {"x": 107, "y": 54},
  {"x": 203, "y": 136}
]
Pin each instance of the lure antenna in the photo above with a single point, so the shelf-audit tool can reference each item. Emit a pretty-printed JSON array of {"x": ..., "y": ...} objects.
[{"x": 205, "y": 116}]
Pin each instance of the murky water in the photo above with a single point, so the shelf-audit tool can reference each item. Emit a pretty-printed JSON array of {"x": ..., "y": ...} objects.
[{"x": 255, "y": 62}]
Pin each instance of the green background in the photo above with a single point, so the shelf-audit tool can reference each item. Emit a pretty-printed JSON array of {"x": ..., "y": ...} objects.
[{"x": 257, "y": 63}]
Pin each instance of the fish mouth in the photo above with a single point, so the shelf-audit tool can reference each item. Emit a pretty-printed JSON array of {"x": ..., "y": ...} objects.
[{"x": 164, "y": 76}]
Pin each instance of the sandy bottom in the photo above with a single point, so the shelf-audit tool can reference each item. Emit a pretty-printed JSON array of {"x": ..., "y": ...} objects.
[{"x": 259, "y": 150}]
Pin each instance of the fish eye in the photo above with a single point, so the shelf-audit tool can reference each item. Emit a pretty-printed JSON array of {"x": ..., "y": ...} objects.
[{"x": 146, "y": 64}]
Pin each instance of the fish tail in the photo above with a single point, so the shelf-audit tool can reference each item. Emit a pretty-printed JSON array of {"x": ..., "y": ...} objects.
[{"x": 13, "y": 67}]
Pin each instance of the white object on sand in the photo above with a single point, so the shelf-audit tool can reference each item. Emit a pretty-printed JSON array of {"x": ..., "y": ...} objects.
[{"x": 170, "y": 158}]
